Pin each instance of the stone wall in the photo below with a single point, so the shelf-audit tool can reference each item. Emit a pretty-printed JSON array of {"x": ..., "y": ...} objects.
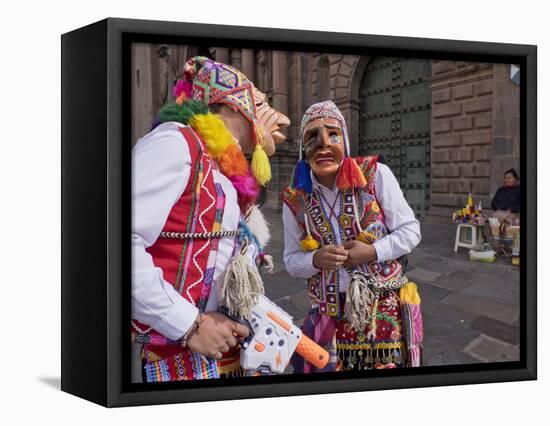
[
  {"x": 475, "y": 132},
  {"x": 474, "y": 125},
  {"x": 154, "y": 70},
  {"x": 462, "y": 103},
  {"x": 506, "y": 136}
]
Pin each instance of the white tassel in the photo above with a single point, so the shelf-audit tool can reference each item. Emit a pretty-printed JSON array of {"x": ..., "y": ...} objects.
[
  {"x": 241, "y": 285},
  {"x": 356, "y": 213},
  {"x": 359, "y": 300}
]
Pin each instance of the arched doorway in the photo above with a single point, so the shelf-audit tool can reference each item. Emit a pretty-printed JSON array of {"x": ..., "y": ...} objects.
[{"x": 395, "y": 121}]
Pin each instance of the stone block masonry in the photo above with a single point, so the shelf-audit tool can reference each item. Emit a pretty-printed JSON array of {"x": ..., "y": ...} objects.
[{"x": 476, "y": 120}]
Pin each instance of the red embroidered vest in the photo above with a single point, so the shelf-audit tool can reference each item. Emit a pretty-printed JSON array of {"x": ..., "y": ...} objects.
[{"x": 186, "y": 264}]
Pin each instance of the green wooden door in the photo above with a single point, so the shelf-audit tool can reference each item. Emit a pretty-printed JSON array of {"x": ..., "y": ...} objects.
[{"x": 395, "y": 121}]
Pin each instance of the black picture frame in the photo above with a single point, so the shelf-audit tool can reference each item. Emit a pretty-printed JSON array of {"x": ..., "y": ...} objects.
[{"x": 96, "y": 212}]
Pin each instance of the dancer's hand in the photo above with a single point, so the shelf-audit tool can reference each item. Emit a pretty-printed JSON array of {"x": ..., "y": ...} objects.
[
  {"x": 359, "y": 253},
  {"x": 330, "y": 257},
  {"x": 216, "y": 333}
]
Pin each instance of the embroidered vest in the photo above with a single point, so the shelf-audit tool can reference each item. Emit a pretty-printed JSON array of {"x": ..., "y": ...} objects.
[
  {"x": 323, "y": 288},
  {"x": 186, "y": 264}
]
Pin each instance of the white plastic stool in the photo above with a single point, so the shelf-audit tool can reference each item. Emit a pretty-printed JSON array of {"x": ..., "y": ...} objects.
[{"x": 468, "y": 236}]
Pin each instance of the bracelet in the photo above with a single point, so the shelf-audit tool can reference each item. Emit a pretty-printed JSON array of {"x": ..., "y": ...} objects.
[{"x": 196, "y": 325}]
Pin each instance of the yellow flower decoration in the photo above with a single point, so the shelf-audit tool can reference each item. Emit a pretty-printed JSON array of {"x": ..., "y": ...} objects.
[{"x": 375, "y": 208}]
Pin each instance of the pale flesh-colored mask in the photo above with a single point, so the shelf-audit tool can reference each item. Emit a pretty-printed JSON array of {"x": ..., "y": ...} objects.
[{"x": 271, "y": 120}]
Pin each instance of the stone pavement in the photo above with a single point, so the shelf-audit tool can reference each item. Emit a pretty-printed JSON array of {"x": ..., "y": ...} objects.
[{"x": 470, "y": 309}]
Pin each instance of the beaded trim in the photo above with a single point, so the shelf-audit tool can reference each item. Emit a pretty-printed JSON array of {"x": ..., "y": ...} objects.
[
  {"x": 375, "y": 346},
  {"x": 390, "y": 284},
  {"x": 199, "y": 235}
]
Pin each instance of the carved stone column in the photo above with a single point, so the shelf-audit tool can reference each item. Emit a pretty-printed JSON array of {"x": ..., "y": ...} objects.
[
  {"x": 280, "y": 81},
  {"x": 222, "y": 55},
  {"x": 236, "y": 58},
  {"x": 259, "y": 71},
  {"x": 283, "y": 162},
  {"x": 248, "y": 64},
  {"x": 142, "y": 89}
]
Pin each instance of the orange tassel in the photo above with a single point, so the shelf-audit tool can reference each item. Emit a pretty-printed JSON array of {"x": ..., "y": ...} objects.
[
  {"x": 181, "y": 98},
  {"x": 233, "y": 162},
  {"x": 350, "y": 175}
]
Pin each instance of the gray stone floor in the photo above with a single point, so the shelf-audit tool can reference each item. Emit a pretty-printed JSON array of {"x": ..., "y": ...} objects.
[{"x": 470, "y": 309}]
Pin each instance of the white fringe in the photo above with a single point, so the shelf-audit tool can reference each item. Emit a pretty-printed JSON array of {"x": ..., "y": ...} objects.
[
  {"x": 241, "y": 286},
  {"x": 359, "y": 300},
  {"x": 258, "y": 225}
]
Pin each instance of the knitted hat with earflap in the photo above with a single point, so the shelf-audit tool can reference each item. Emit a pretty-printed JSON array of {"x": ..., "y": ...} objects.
[
  {"x": 349, "y": 175},
  {"x": 215, "y": 83}
]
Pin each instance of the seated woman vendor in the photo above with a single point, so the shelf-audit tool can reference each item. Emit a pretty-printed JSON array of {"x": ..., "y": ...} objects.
[{"x": 506, "y": 202}]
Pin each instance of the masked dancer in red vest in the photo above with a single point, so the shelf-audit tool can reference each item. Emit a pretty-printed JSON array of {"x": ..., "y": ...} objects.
[
  {"x": 345, "y": 224},
  {"x": 197, "y": 237}
]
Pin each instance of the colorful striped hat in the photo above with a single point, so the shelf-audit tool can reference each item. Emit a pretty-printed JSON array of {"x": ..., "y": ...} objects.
[{"x": 216, "y": 83}]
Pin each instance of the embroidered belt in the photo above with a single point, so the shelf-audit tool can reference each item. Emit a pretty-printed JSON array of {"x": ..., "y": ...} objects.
[{"x": 199, "y": 235}]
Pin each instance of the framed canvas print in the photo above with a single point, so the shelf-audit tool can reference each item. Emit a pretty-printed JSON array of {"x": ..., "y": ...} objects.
[{"x": 253, "y": 212}]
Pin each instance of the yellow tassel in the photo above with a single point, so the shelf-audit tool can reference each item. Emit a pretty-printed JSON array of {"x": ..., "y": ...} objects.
[
  {"x": 309, "y": 244},
  {"x": 261, "y": 169},
  {"x": 214, "y": 133},
  {"x": 366, "y": 237},
  {"x": 409, "y": 294}
]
